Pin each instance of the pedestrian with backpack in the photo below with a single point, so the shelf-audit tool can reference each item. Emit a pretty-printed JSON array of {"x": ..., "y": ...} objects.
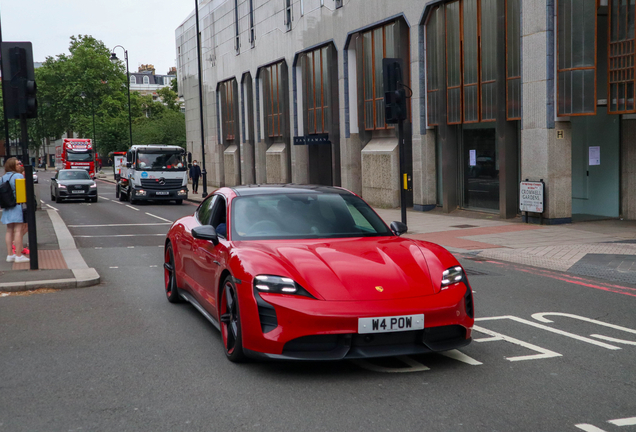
[{"x": 12, "y": 212}]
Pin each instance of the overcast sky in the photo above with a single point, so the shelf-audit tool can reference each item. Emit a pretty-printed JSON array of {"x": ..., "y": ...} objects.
[{"x": 145, "y": 28}]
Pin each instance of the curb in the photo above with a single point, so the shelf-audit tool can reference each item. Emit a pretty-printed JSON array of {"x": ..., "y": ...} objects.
[{"x": 83, "y": 275}]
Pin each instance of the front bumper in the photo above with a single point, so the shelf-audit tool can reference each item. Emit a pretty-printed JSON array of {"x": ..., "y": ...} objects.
[
  {"x": 298, "y": 328},
  {"x": 83, "y": 195},
  {"x": 160, "y": 195}
]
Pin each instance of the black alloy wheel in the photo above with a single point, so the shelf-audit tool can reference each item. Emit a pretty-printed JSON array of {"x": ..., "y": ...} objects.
[
  {"x": 231, "y": 322},
  {"x": 170, "y": 277}
]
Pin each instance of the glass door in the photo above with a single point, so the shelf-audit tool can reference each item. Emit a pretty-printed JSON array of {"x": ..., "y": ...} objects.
[{"x": 480, "y": 161}]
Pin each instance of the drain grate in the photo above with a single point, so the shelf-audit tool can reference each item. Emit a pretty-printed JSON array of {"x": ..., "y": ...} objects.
[{"x": 464, "y": 226}]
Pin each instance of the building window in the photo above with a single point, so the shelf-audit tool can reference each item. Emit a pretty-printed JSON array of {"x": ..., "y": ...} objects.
[
  {"x": 273, "y": 99},
  {"x": 434, "y": 62},
  {"x": 146, "y": 80},
  {"x": 576, "y": 56},
  {"x": 622, "y": 77},
  {"x": 252, "y": 31},
  {"x": 133, "y": 79},
  {"x": 513, "y": 59},
  {"x": 316, "y": 87},
  {"x": 236, "y": 27},
  {"x": 461, "y": 38},
  {"x": 228, "y": 106},
  {"x": 288, "y": 15},
  {"x": 377, "y": 44}
]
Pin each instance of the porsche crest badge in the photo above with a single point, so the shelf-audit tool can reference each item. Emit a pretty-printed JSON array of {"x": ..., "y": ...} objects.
[{"x": 379, "y": 288}]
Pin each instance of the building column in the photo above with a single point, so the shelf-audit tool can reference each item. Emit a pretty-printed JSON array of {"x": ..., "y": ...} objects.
[
  {"x": 628, "y": 169},
  {"x": 546, "y": 145}
]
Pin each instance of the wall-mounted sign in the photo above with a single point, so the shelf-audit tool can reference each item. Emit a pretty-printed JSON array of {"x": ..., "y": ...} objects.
[
  {"x": 531, "y": 197},
  {"x": 559, "y": 134},
  {"x": 595, "y": 155},
  {"x": 312, "y": 139},
  {"x": 473, "y": 157}
]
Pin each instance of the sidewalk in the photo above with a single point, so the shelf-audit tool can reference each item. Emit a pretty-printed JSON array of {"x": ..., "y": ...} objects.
[
  {"x": 604, "y": 249},
  {"x": 60, "y": 263}
]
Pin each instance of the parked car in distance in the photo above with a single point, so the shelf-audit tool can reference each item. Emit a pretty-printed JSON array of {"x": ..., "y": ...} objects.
[
  {"x": 73, "y": 184},
  {"x": 35, "y": 176}
]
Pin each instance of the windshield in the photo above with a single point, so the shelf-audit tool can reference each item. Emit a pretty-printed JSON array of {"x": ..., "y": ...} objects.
[
  {"x": 304, "y": 216},
  {"x": 73, "y": 175},
  {"x": 167, "y": 161},
  {"x": 86, "y": 156}
]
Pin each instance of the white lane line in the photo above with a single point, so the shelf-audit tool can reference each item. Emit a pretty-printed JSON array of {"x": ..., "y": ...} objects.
[
  {"x": 119, "y": 225},
  {"x": 104, "y": 198},
  {"x": 550, "y": 329},
  {"x": 117, "y": 202},
  {"x": 630, "y": 421},
  {"x": 52, "y": 208},
  {"x": 113, "y": 267},
  {"x": 611, "y": 339},
  {"x": 129, "y": 206},
  {"x": 460, "y": 356},
  {"x": 544, "y": 353},
  {"x": 153, "y": 266},
  {"x": 588, "y": 427},
  {"x": 158, "y": 217},
  {"x": 98, "y": 248},
  {"x": 131, "y": 247},
  {"x": 121, "y": 235}
]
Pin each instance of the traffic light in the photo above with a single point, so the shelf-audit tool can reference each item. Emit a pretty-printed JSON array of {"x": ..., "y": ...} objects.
[
  {"x": 18, "y": 80},
  {"x": 394, "y": 93}
]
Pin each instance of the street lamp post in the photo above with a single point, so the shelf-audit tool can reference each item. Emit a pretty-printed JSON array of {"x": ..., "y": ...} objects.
[
  {"x": 204, "y": 172},
  {"x": 113, "y": 58}
]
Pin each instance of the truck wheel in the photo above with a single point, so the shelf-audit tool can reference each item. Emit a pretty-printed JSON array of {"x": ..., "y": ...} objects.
[
  {"x": 117, "y": 191},
  {"x": 121, "y": 196},
  {"x": 130, "y": 197}
]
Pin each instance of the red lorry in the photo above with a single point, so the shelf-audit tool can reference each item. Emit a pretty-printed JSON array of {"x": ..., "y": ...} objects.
[{"x": 76, "y": 153}]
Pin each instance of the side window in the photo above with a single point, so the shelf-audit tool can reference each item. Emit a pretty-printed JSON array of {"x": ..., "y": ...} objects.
[
  {"x": 219, "y": 216},
  {"x": 204, "y": 212}
]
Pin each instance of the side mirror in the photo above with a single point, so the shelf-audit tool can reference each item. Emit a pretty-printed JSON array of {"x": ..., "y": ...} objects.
[
  {"x": 206, "y": 232},
  {"x": 399, "y": 228}
]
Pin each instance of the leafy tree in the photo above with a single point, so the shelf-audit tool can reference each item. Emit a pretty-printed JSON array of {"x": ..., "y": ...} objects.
[{"x": 169, "y": 98}]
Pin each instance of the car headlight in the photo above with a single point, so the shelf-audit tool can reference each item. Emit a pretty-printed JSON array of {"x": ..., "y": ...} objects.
[
  {"x": 61, "y": 186},
  {"x": 279, "y": 285},
  {"x": 93, "y": 186},
  {"x": 452, "y": 276}
]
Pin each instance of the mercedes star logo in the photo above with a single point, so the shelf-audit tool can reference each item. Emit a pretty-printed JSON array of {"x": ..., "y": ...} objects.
[{"x": 162, "y": 181}]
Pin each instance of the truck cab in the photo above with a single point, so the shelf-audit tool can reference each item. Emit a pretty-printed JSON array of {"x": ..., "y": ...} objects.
[{"x": 154, "y": 172}]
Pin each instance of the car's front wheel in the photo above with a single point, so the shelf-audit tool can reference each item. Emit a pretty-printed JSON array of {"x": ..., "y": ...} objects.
[
  {"x": 231, "y": 322},
  {"x": 170, "y": 277}
]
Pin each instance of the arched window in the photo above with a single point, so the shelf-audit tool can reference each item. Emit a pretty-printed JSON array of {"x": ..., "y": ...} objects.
[
  {"x": 146, "y": 80},
  {"x": 133, "y": 79}
]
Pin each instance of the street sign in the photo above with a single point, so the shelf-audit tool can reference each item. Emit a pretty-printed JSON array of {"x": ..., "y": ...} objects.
[{"x": 531, "y": 197}]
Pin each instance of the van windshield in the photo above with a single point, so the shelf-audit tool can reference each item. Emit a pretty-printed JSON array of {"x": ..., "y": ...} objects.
[{"x": 160, "y": 161}]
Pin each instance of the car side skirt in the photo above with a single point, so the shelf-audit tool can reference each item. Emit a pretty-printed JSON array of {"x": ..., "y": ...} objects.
[{"x": 187, "y": 297}]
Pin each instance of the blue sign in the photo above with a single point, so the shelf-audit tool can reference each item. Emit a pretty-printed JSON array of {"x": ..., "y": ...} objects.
[{"x": 144, "y": 174}]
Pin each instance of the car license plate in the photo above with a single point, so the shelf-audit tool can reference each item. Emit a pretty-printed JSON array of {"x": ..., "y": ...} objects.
[
  {"x": 77, "y": 191},
  {"x": 163, "y": 193},
  {"x": 390, "y": 324}
]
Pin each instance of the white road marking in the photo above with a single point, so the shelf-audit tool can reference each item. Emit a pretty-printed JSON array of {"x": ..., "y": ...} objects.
[
  {"x": 460, "y": 356},
  {"x": 49, "y": 205},
  {"x": 414, "y": 366},
  {"x": 129, "y": 206},
  {"x": 131, "y": 247},
  {"x": 541, "y": 317},
  {"x": 630, "y": 421},
  {"x": 615, "y": 340},
  {"x": 158, "y": 217},
  {"x": 160, "y": 246},
  {"x": 98, "y": 248},
  {"x": 545, "y": 353},
  {"x": 120, "y": 235},
  {"x": 153, "y": 266},
  {"x": 119, "y": 225},
  {"x": 588, "y": 427},
  {"x": 550, "y": 329},
  {"x": 104, "y": 198},
  {"x": 113, "y": 267}
]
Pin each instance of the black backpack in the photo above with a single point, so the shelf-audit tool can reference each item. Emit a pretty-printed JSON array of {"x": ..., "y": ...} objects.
[{"x": 7, "y": 197}]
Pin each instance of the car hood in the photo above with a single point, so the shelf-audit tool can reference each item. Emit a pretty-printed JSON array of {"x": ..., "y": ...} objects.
[{"x": 376, "y": 268}]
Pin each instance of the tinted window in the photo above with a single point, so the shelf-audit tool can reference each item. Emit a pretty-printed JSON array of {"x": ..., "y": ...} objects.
[
  {"x": 298, "y": 216},
  {"x": 73, "y": 175},
  {"x": 219, "y": 215},
  {"x": 204, "y": 212}
]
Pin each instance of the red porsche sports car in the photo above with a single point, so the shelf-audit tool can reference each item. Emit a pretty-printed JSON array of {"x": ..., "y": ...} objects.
[{"x": 313, "y": 273}]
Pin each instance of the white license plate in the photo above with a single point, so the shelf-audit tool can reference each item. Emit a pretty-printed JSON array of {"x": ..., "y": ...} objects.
[
  {"x": 77, "y": 191},
  {"x": 390, "y": 324},
  {"x": 162, "y": 193}
]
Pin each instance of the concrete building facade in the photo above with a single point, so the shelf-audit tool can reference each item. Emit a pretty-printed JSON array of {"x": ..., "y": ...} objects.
[{"x": 502, "y": 91}]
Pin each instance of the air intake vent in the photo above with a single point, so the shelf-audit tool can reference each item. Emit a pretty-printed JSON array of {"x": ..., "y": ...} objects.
[
  {"x": 266, "y": 314},
  {"x": 468, "y": 301}
]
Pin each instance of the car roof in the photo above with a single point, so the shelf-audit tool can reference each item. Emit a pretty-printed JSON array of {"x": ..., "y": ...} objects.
[
  {"x": 72, "y": 169},
  {"x": 272, "y": 189}
]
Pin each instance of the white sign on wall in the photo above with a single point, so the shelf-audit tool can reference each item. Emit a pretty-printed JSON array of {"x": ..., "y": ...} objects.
[
  {"x": 531, "y": 197},
  {"x": 595, "y": 155},
  {"x": 473, "y": 157}
]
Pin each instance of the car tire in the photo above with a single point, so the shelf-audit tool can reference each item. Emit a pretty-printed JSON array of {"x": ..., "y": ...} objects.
[
  {"x": 57, "y": 199},
  {"x": 52, "y": 197},
  {"x": 230, "y": 322},
  {"x": 179, "y": 202},
  {"x": 170, "y": 277}
]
